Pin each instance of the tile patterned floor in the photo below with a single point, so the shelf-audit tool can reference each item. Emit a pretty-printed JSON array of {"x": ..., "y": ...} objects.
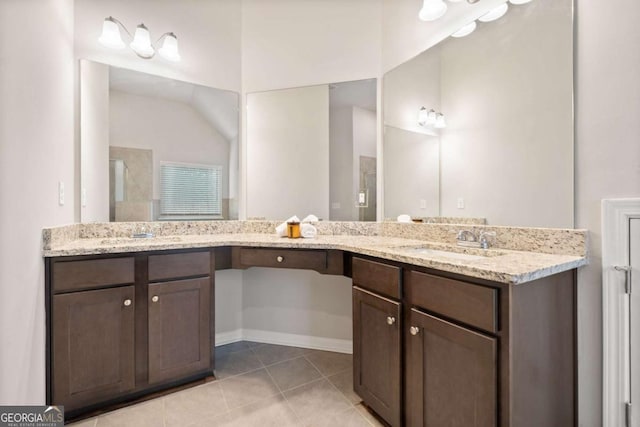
[{"x": 262, "y": 385}]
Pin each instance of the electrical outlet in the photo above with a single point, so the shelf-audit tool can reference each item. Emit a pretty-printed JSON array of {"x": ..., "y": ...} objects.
[
  {"x": 460, "y": 203},
  {"x": 61, "y": 193},
  {"x": 423, "y": 204}
]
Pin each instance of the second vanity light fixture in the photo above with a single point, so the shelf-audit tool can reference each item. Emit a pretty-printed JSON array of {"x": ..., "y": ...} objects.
[
  {"x": 141, "y": 40},
  {"x": 435, "y": 9},
  {"x": 431, "y": 119}
]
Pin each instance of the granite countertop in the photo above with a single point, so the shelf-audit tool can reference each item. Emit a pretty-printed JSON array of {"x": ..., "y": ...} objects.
[{"x": 499, "y": 265}]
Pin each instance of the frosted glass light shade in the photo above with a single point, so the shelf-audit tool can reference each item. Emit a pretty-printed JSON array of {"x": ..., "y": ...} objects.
[
  {"x": 495, "y": 13},
  {"x": 169, "y": 49},
  {"x": 519, "y": 1},
  {"x": 110, "y": 36},
  {"x": 432, "y": 10},
  {"x": 466, "y": 30},
  {"x": 141, "y": 43},
  {"x": 440, "y": 122},
  {"x": 422, "y": 116}
]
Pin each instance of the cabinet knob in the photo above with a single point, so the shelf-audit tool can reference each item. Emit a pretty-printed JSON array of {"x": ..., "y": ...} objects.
[
  {"x": 414, "y": 330},
  {"x": 280, "y": 259},
  {"x": 391, "y": 320},
  {"x": 155, "y": 298},
  {"x": 127, "y": 302}
]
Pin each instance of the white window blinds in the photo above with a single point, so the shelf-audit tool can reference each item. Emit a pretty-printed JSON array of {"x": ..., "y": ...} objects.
[{"x": 189, "y": 190}]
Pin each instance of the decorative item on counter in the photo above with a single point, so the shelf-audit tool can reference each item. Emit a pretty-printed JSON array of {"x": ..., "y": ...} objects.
[
  {"x": 293, "y": 229},
  {"x": 417, "y": 220},
  {"x": 281, "y": 230},
  {"x": 310, "y": 218},
  {"x": 404, "y": 218},
  {"x": 309, "y": 231}
]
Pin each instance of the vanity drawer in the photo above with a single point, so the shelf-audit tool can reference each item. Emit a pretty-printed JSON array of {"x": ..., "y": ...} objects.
[
  {"x": 93, "y": 273},
  {"x": 376, "y": 276},
  {"x": 471, "y": 304},
  {"x": 172, "y": 266},
  {"x": 282, "y": 258}
]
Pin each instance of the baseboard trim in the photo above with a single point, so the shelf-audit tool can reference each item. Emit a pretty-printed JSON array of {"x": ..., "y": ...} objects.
[{"x": 280, "y": 338}]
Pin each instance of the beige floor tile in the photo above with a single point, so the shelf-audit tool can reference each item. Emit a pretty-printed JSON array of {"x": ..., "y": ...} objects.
[
  {"x": 270, "y": 412},
  {"x": 232, "y": 348},
  {"x": 272, "y": 353},
  {"x": 293, "y": 373},
  {"x": 240, "y": 362},
  {"x": 248, "y": 388},
  {"x": 344, "y": 382},
  {"x": 349, "y": 418},
  {"x": 316, "y": 400},
  {"x": 328, "y": 362},
  {"x": 193, "y": 405},
  {"x": 91, "y": 422},
  {"x": 147, "y": 414},
  {"x": 373, "y": 419}
]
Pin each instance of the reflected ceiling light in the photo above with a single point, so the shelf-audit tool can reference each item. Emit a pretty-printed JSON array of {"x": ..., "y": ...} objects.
[
  {"x": 432, "y": 10},
  {"x": 429, "y": 118},
  {"x": 466, "y": 30},
  {"x": 519, "y": 1},
  {"x": 440, "y": 122},
  {"x": 140, "y": 42},
  {"x": 495, "y": 13}
]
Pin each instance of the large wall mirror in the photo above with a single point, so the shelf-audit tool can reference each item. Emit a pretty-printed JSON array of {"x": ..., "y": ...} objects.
[
  {"x": 154, "y": 148},
  {"x": 506, "y": 95},
  {"x": 312, "y": 150}
]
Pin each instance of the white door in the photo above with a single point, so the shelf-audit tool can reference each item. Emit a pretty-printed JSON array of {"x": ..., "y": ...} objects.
[{"x": 634, "y": 255}]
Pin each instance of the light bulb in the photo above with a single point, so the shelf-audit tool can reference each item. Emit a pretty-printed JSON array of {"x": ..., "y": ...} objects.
[
  {"x": 432, "y": 10},
  {"x": 141, "y": 43},
  {"x": 466, "y": 30},
  {"x": 169, "y": 49},
  {"x": 495, "y": 13},
  {"x": 519, "y": 1},
  {"x": 440, "y": 122},
  {"x": 111, "y": 34}
]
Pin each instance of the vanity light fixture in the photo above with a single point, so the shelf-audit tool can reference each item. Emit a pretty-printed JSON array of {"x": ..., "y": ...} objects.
[
  {"x": 466, "y": 30},
  {"x": 431, "y": 119},
  {"x": 141, "y": 40},
  {"x": 495, "y": 13}
]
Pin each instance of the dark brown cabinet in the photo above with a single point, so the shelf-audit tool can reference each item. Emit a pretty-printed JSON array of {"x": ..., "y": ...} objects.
[
  {"x": 451, "y": 375},
  {"x": 179, "y": 329},
  {"x": 93, "y": 345},
  {"x": 376, "y": 353}
]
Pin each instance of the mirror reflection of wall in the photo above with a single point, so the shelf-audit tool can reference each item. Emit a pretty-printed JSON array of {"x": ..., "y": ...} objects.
[
  {"x": 506, "y": 91},
  {"x": 134, "y": 123},
  {"x": 313, "y": 150}
]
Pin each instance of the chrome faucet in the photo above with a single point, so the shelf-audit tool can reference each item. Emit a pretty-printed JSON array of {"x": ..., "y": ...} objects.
[{"x": 469, "y": 239}]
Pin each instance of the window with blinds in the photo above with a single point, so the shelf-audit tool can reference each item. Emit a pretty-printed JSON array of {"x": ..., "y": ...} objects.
[{"x": 190, "y": 191}]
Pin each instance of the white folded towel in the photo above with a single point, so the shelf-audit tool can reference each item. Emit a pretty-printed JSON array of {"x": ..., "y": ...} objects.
[
  {"x": 404, "y": 218},
  {"x": 310, "y": 218},
  {"x": 281, "y": 230},
  {"x": 308, "y": 231}
]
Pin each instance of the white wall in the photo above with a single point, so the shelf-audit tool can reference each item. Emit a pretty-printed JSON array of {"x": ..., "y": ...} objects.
[
  {"x": 288, "y": 153},
  {"x": 94, "y": 141},
  {"x": 175, "y": 131},
  {"x": 36, "y": 152},
  {"x": 607, "y": 161}
]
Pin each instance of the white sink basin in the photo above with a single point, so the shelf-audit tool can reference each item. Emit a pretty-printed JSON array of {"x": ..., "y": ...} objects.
[{"x": 463, "y": 254}]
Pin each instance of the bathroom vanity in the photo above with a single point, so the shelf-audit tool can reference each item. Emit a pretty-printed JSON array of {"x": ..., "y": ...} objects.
[{"x": 476, "y": 338}]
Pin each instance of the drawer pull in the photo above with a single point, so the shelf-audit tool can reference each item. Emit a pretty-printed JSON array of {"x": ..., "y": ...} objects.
[
  {"x": 414, "y": 330},
  {"x": 391, "y": 320},
  {"x": 127, "y": 302},
  {"x": 155, "y": 298},
  {"x": 280, "y": 259}
]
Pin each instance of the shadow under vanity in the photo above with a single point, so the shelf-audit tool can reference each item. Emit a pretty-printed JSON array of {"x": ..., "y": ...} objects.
[{"x": 488, "y": 340}]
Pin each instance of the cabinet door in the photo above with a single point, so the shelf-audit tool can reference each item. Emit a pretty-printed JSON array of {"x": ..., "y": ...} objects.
[
  {"x": 451, "y": 375},
  {"x": 179, "y": 328},
  {"x": 93, "y": 346},
  {"x": 376, "y": 353}
]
